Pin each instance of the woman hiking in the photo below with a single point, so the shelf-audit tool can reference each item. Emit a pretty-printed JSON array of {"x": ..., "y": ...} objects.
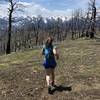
[{"x": 50, "y": 53}]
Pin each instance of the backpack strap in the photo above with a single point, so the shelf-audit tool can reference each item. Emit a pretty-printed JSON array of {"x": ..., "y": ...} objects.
[
  {"x": 43, "y": 50},
  {"x": 48, "y": 52}
]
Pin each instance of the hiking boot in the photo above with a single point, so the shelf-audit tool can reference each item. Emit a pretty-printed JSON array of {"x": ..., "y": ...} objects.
[
  {"x": 49, "y": 90},
  {"x": 53, "y": 84}
]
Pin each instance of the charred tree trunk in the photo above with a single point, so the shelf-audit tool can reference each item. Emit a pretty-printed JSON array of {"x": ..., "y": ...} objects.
[
  {"x": 8, "y": 49},
  {"x": 36, "y": 41},
  {"x": 11, "y": 9},
  {"x": 93, "y": 19}
]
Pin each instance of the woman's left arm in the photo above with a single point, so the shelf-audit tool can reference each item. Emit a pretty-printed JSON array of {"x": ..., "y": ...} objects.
[{"x": 55, "y": 51}]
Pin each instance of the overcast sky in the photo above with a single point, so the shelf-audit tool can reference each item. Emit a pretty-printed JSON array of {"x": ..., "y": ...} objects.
[{"x": 46, "y": 8}]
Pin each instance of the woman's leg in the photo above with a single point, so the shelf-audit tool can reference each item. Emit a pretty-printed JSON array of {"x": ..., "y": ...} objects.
[
  {"x": 48, "y": 73},
  {"x": 53, "y": 76},
  {"x": 48, "y": 79}
]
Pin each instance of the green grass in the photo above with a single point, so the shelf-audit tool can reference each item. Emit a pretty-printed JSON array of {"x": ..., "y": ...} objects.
[
  {"x": 81, "y": 54},
  {"x": 78, "y": 67},
  {"x": 79, "y": 64},
  {"x": 18, "y": 58}
]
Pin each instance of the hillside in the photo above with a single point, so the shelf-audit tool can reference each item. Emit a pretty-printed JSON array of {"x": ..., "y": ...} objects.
[{"x": 77, "y": 76}]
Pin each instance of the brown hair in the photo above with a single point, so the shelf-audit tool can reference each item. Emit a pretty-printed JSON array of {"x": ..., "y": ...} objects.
[{"x": 49, "y": 41}]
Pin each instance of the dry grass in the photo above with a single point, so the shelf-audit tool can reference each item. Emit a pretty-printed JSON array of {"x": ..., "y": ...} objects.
[{"x": 78, "y": 67}]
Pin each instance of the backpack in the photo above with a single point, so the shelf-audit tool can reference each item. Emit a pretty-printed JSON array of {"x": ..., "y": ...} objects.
[{"x": 48, "y": 52}]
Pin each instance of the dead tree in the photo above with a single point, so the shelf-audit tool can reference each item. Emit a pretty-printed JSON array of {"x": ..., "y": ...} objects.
[
  {"x": 11, "y": 9},
  {"x": 88, "y": 22},
  {"x": 72, "y": 26},
  {"x": 93, "y": 18},
  {"x": 59, "y": 22},
  {"x": 38, "y": 20}
]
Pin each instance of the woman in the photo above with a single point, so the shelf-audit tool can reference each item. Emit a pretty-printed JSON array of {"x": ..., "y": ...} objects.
[{"x": 50, "y": 53}]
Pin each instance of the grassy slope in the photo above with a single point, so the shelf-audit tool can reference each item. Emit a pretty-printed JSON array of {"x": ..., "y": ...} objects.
[
  {"x": 78, "y": 67},
  {"x": 20, "y": 58}
]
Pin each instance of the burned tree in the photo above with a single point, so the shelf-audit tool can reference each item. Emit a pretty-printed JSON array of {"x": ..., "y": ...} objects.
[
  {"x": 93, "y": 18},
  {"x": 11, "y": 10},
  {"x": 72, "y": 26}
]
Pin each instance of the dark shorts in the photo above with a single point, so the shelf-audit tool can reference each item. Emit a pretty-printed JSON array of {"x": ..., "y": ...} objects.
[{"x": 49, "y": 63}]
